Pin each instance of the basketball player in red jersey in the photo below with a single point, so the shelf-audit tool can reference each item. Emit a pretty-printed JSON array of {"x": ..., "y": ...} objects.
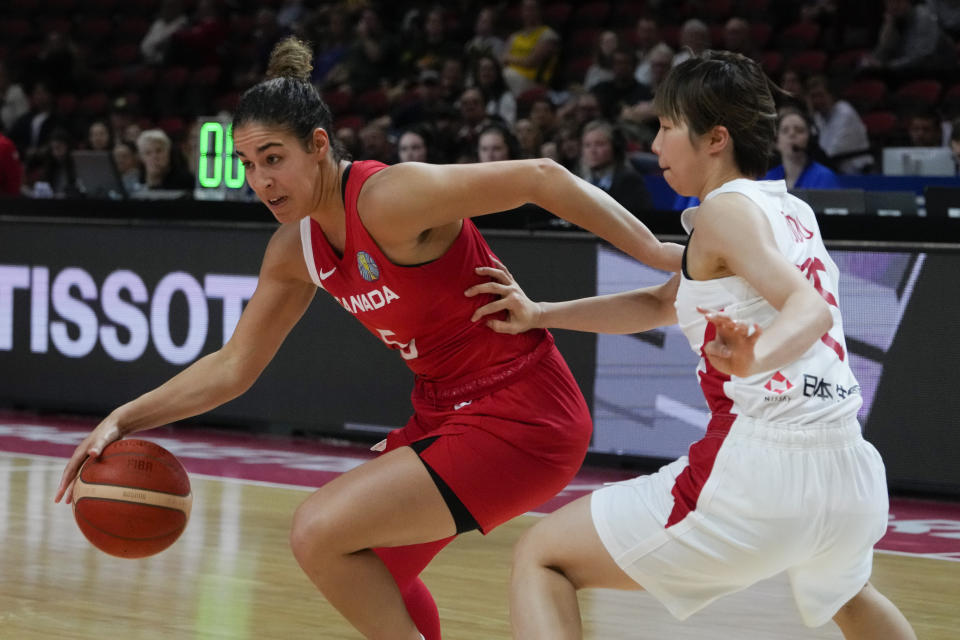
[{"x": 500, "y": 425}]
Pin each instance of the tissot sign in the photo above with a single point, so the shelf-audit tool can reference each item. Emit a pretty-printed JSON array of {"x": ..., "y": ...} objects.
[{"x": 66, "y": 307}]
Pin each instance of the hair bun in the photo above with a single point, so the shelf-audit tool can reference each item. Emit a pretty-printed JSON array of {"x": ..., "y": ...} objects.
[{"x": 291, "y": 58}]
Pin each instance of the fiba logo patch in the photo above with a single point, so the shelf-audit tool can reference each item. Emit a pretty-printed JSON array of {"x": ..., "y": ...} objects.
[{"x": 368, "y": 268}]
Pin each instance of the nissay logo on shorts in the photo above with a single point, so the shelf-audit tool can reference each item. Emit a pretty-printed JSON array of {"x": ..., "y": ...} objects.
[{"x": 64, "y": 316}]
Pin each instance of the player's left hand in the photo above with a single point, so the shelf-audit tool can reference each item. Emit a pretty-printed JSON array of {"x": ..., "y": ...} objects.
[
  {"x": 522, "y": 312},
  {"x": 732, "y": 351}
]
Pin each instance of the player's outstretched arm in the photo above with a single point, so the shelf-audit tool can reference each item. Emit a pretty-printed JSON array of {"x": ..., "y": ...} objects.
[
  {"x": 627, "y": 312},
  {"x": 282, "y": 296},
  {"x": 409, "y": 198}
]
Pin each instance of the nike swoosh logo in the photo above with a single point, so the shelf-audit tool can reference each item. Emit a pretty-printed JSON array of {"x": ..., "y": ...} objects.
[{"x": 326, "y": 274}]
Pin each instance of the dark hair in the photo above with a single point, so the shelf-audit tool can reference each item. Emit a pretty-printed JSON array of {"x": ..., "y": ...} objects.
[
  {"x": 509, "y": 138},
  {"x": 720, "y": 88},
  {"x": 287, "y": 99}
]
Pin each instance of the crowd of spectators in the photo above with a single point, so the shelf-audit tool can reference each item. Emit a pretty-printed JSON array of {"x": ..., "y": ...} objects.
[{"x": 468, "y": 81}]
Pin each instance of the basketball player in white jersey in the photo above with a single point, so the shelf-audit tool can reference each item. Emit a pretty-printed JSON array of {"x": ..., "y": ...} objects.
[{"x": 782, "y": 480}]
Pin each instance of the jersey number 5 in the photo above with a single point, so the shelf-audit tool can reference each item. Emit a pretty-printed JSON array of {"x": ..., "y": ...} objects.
[{"x": 407, "y": 349}]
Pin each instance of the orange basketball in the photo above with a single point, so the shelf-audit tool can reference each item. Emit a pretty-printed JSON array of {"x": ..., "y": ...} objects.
[{"x": 134, "y": 500}]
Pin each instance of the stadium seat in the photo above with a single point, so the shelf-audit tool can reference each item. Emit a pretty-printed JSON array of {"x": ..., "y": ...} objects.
[
  {"x": 866, "y": 95},
  {"x": 340, "y": 102},
  {"x": 772, "y": 62},
  {"x": 918, "y": 93},
  {"x": 760, "y": 34},
  {"x": 799, "y": 36},
  {"x": 557, "y": 14},
  {"x": 591, "y": 14},
  {"x": 881, "y": 125},
  {"x": 808, "y": 62},
  {"x": 94, "y": 105}
]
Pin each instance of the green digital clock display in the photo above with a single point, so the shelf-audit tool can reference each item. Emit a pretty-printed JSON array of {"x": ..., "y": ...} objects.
[{"x": 219, "y": 171}]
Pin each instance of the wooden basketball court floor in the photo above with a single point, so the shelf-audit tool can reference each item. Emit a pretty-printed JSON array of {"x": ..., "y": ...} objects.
[{"x": 232, "y": 576}]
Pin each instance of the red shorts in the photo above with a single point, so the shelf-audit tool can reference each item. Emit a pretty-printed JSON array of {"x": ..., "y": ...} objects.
[{"x": 507, "y": 440}]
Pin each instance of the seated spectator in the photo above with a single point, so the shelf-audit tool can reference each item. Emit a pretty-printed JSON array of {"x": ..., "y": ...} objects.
[
  {"x": 694, "y": 40},
  {"x": 604, "y": 164},
  {"x": 13, "y": 101},
  {"x": 375, "y": 144},
  {"x": 646, "y": 36},
  {"x": 170, "y": 19},
  {"x": 333, "y": 42},
  {"x": 792, "y": 82},
  {"x": 198, "y": 43},
  {"x": 413, "y": 145},
  {"x": 485, "y": 41},
  {"x": 11, "y": 169},
  {"x": 529, "y": 138},
  {"x": 99, "y": 137},
  {"x": 639, "y": 121},
  {"x": 31, "y": 131},
  {"x": 162, "y": 169},
  {"x": 797, "y": 167},
  {"x": 488, "y": 77},
  {"x": 601, "y": 69},
  {"x": 473, "y": 118},
  {"x": 737, "y": 38},
  {"x": 372, "y": 55},
  {"x": 127, "y": 162},
  {"x": 567, "y": 140},
  {"x": 429, "y": 44},
  {"x": 842, "y": 134},
  {"x": 911, "y": 39},
  {"x": 924, "y": 129},
  {"x": 50, "y": 171},
  {"x": 531, "y": 55},
  {"x": 622, "y": 90},
  {"x": 496, "y": 142},
  {"x": 543, "y": 115}
]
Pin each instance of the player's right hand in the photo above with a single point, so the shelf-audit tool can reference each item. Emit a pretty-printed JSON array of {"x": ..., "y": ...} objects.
[{"x": 91, "y": 447}]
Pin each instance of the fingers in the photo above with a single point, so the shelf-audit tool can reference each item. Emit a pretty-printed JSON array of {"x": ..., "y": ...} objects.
[
  {"x": 500, "y": 275},
  {"x": 493, "y": 288},
  {"x": 487, "y": 309},
  {"x": 501, "y": 266}
]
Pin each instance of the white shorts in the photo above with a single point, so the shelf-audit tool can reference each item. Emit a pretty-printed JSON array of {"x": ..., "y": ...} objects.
[{"x": 744, "y": 506}]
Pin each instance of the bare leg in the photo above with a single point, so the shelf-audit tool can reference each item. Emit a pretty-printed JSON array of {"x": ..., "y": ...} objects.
[
  {"x": 557, "y": 556},
  {"x": 386, "y": 502},
  {"x": 869, "y": 614}
]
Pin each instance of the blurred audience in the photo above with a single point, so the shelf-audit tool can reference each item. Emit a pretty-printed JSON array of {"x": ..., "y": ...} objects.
[
  {"x": 604, "y": 164},
  {"x": 487, "y": 76},
  {"x": 797, "y": 166},
  {"x": 646, "y": 37},
  {"x": 911, "y": 39},
  {"x": 842, "y": 133},
  {"x": 496, "y": 142},
  {"x": 601, "y": 69},
  {"x": 413, "y": 145},
  {"x": 50, "y": 171},
  {"x": 531, "y": 55},
  {"x": 694, "y": 40},
  {"x": 170, "y": 19},
  {"x": 162, "y": 168},
  {"x": 13, "y": 100},
  {"x": 924, "y": 128},
  {"x": 127, "y": 161},
  {"x": 485, "y": 41}
]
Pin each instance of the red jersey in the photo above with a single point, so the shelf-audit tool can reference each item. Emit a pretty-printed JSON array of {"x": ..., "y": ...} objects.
[{"x": 419, "y": 310}]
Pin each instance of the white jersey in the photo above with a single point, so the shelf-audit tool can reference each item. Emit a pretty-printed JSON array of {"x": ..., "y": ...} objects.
[{"x": 817, "y": 387}]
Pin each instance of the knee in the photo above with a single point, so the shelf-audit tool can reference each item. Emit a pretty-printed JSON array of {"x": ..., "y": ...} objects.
[
  {"x": 532, "y": 552},
  {"x": 311, "y": 533}
]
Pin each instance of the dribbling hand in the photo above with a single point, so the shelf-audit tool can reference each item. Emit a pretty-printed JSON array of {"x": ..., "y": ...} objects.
[
  {"x": 91, "y": 447},
  {"x": 522, "y": 313},
  {"x": 732, "y": 351}
]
